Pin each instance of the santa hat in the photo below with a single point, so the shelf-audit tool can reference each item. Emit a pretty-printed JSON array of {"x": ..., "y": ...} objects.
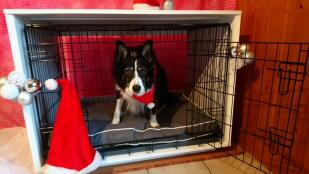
[
  {"x": 147, "y": 4},
  {"x": 70, "y": 150}
]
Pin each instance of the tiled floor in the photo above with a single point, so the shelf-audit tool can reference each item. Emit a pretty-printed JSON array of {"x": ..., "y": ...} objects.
[
  {"x": 15, "y": 155},
  {"x": 226, "y": 165}
]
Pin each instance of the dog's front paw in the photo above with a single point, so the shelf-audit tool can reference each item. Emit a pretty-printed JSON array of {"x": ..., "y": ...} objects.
[
  {"x": 116, "y": 120},
  {"x": 154, "y": 123}
]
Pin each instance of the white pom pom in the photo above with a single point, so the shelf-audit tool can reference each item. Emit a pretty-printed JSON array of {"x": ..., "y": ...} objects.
[
  {"x": 24, "y": 98},
  {"x": 150, "y": 105},
  {"x": 51, "y": 84},
  {"x": 9, "y": 91},
  {"x": 244, "y": 48},
  {"x": 17, "y": 79}
]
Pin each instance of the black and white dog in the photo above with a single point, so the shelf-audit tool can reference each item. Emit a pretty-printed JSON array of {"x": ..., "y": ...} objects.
[{"x": 138, "y": 74}]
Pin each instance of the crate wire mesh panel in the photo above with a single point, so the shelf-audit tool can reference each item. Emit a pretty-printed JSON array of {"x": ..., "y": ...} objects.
[
  {"x": 267, "y": 105},
  {"x": 259, "y": 99}
]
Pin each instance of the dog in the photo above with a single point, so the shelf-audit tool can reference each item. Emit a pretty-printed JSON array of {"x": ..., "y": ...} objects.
[{"x": 138, "y": 74}]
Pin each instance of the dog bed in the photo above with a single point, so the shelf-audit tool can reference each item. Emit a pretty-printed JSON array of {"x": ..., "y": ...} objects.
[{"x": 175, "y": 119}]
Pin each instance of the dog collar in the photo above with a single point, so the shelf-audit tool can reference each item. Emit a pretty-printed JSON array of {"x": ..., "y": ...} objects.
[{"x": 146, "y": 98}]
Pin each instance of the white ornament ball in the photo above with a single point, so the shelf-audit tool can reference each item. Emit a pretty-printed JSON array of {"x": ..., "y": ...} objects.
[
  {"x": 51, "y": 84},
  {"x": 248, "y": 56},
  {"x": 9, "y": 91},
  {"x": 17, "y": 79},
  {"x": 24, "y": 98},
  {"x": 3, "y": 81},
  {"x": 244, "y": 48},
  {"x": 168, "y": 5}
]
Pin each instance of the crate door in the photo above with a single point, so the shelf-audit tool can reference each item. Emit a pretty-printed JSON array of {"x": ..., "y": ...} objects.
[
  {"x": 267, "y": 98},
  {"x": 44, "y": 63}
]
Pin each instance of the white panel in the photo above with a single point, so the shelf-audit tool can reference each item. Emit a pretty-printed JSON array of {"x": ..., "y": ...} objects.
[
  {"x": 15, "y": 28},
  {"x": 97, "y": 16}
]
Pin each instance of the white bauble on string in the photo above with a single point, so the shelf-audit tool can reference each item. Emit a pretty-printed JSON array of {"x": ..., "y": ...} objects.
[
  {"x": 248, "y": 56},
  {"x": 9, "y": 91},
  {"x": 51, "y": 84},
  {"x": 24, "y": 98},
  {"x": 244, "y": 48},
  {"x": 17, "y": 79},
  {"x": 168, "y": 5}
]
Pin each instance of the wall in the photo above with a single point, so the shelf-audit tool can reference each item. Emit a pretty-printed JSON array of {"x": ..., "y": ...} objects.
[
  {"x": 11, "y": 113},
  {"x": 283, "y": 21}
]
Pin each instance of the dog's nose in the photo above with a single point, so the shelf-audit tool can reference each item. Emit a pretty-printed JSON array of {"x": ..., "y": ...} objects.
[{"x": 136, "y": 88}]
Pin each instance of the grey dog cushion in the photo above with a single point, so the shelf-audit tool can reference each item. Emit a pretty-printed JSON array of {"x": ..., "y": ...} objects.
[{"x": 172, "y": 119}]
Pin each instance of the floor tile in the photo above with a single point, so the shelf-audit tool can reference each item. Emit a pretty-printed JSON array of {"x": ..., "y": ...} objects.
[
  {"x": 186, "y": 168},
  {"x": 239, "y": 165},
  {"x": 248, "y": 158},
  {"x": 218, "y": 166}
]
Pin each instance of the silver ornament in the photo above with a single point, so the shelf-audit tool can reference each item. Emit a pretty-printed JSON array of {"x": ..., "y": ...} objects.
[
  {"x": 24, "y": 98},
  {"x": 32, "y": 85},
  {"x": 244, "y": 48},
  {"x": 168, "y": 5},
  {"x": 235, "y": 51},
  {"x": 3, "y": 80},
  {"x": 248, "y": 56}
]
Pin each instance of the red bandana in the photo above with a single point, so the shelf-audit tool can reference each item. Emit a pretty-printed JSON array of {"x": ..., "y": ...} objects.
[{"x": 146, "y": 98}]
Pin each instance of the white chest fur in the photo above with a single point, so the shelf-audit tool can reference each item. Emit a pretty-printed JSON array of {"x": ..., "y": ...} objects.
[{"x": 133, "y": 106}]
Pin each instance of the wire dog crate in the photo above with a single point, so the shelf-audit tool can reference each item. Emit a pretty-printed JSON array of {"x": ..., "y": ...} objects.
[
  {"x": 84, "y": 55},
  {"x": 221, "y": 99}
]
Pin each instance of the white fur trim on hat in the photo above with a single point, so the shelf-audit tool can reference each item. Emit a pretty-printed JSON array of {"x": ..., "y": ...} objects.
[
  {"x": 48, "y": 169},
  {"x": 94, "y": 165}
]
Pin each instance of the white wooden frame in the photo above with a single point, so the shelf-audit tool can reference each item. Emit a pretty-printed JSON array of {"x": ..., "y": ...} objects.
[{"x": 17, "y": 18}]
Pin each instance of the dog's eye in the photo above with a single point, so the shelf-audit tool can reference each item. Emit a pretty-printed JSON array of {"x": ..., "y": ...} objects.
[
  {"x": 128, "y": 70},
  {"x": 128, "y": 74},
  {"x": 142, "y": 70}
]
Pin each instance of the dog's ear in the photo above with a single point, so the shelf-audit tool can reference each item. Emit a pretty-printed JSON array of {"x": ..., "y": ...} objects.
[
  {"x": 147, "y": 49},
  {"x": 121, "y": 49}
]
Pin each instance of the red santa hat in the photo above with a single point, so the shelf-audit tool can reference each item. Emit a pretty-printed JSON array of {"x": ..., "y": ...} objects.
[
  {"x": 147, "y": 4},
  {"x": 70, "y": 150}
]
